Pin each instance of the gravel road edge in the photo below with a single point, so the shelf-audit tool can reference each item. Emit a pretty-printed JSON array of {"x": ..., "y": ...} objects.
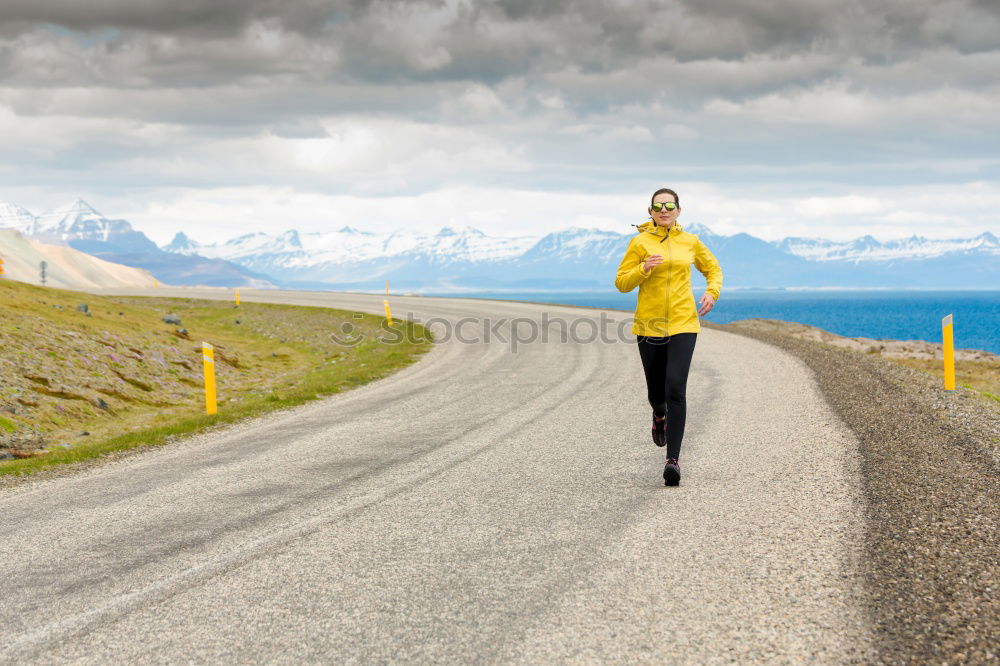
[{"x": 930, "y": 471}]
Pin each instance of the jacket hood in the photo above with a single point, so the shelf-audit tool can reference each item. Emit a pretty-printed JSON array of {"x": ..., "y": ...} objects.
[{"x": 652, "y": 227}]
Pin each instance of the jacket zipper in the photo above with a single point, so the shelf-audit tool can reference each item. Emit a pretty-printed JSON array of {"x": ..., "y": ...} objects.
[
  {"x": 666, "y": 303},
  {"x": 670, "y": 269}
]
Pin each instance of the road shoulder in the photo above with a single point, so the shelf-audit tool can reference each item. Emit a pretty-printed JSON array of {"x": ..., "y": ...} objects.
[{"x": 929, "y": 473}]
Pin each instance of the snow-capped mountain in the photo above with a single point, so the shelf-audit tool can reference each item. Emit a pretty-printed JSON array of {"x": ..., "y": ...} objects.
[
  {"x": 350, "y": 245},
  {"x": 80, "y": 226},
  {"x": 181, "y": 244},
  {"x": 347, "y": 253},
  {"x": 79, "y": 221},
  {"x": 584, "y": 258},
  {"x": 868, "y": 248},
  {"x": 83, "y": 228},
  {"x": 13, "y": 216}
]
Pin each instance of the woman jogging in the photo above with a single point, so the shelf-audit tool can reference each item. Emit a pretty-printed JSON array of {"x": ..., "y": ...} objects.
[{"x": 658, "y": 261}]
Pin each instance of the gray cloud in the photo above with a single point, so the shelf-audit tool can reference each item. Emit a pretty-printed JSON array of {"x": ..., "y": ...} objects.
[
  {"x": 170, "y": 42},
  {"x": 196, "y": 17},
  {"x": 592, "y": 93}
]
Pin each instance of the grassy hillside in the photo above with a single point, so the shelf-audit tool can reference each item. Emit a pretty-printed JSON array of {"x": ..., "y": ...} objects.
[{"x": 81, "y": 375}]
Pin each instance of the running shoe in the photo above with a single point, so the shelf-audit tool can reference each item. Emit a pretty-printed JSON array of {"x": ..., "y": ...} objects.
[
  {"x": 672, "y": 472},
  {"x": 659, "y": 430}
]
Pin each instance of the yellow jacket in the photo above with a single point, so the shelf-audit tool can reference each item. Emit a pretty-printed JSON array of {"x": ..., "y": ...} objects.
[{"x": 666, "y": 303}]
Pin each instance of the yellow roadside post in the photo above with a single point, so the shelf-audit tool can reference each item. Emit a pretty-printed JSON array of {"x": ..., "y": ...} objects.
[
  {"x": 948, "y": 338},
  {"x": 156, "y": 283},
  {"x": 208, "y": 357},
  {"x": 237, "y": 295},
  {"x": 1, "y": 266},
  {"x": 388, "y": 315}
]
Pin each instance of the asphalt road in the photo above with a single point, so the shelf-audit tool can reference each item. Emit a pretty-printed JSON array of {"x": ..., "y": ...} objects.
[{"x": 483, "y": 505}]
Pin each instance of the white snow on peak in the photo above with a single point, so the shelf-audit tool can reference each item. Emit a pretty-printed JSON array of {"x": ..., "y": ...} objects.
[
  {"x": 867, "y": 248},
  {"x": 77, "y": 220},
  {"x": 697, "y": 229},
  {"x": 78, "y": 207},
  {"x": 181, "y": 244},
  {"x": 247, "y": 244},
  {"x": 13, "y": 216},
  {"x": 580, "y": 244},
  {"x": 472, "y": 245},
  {"x": 348, "y": 245},
  {"x": 290, "y": 239}
]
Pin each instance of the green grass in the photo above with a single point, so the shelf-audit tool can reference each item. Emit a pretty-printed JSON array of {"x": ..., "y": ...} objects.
[
  {"x": 315, "y": 385},
  {"x": 980, "y": 376},
  {"x": 278, "y": 357},
  {"x": 7, "y": 425}
]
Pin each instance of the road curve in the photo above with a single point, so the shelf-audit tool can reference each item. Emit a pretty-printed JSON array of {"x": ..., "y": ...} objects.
[{"x": 483, "y": 505}]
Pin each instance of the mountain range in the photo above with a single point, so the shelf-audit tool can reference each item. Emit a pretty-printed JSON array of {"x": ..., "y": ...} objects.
[
  {"x": 82, "y": 228},
  {"x": 469, "y": 260},
  {"x": 583, "y": 259}
]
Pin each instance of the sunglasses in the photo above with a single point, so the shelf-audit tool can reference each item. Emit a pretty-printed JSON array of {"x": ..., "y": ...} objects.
[{"x": 669, "y": 205}]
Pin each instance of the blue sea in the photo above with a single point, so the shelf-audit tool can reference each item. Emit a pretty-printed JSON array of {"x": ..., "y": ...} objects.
[{"x": 898, "y": 315}]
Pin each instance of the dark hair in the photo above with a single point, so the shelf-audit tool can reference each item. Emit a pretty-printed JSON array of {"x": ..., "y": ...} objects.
[{"x": 665, "y": 190}]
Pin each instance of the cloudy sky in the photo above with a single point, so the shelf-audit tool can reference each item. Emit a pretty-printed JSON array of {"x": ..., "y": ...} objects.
[{"x": 831, "y": 118}]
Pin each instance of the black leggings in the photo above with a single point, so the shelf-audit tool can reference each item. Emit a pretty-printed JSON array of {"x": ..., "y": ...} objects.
[{"x": 666, "y": 362}]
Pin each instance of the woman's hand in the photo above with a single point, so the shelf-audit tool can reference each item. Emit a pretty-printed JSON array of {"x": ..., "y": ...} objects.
[
  {"x": 706, "y": 304},
  {"x": 651, "y": 262}
]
